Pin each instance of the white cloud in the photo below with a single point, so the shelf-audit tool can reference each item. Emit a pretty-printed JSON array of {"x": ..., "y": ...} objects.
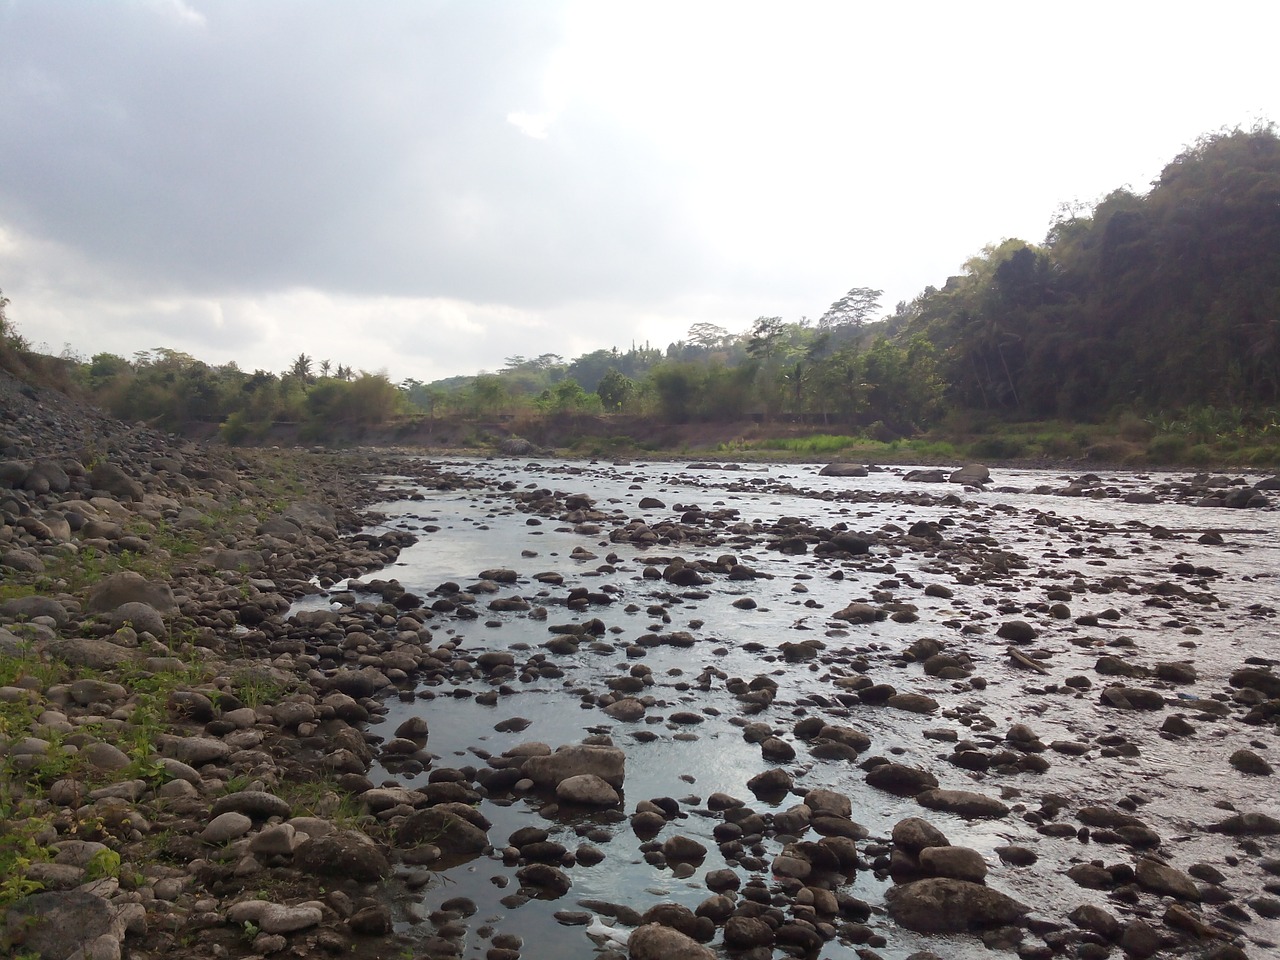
[{"x": 251, "y": 180}]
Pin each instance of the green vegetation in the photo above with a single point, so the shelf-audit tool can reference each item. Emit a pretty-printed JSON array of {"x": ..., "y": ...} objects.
[{"x": 1159, "y": 309}]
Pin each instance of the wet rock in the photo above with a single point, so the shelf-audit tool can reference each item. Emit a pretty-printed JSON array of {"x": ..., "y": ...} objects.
[
  {"x": 653, "y": 941},
  {"x": 944, "y": 905},
  {"x": 1246, "y": 761},
  {"x": 960, "y": 863},
  {"x": 547, "y": 880},
  {"x": 900, "y": 779},
  {"x": 1247, "y": 824},
  {"x": 1094, "y": 918},
  {"x": 973, "y": 474},
  {"x": 841, "y": 469},
  {"x": 589, "y": 790},
  {"x": 913, "y": 835},
  {"x": 607, "y": 763},
  {"x": 684, "y": 849},
  {"x": 963, "y": 803},
  {"x": 1165, "y": 880},
  {"x": 1017, "y": 631},
  {"x": 1131, "y": 698}
]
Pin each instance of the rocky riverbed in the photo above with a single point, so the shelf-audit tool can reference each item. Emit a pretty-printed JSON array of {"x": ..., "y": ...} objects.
[{"x": 301, "y": 704}]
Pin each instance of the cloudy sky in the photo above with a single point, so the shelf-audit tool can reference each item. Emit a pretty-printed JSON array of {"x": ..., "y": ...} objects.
[{"x": 426, "y": 188}]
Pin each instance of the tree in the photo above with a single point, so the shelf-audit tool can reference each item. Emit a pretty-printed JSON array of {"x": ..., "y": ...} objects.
[
  {"x": 709, "y": 336},
  {"x": 762, "y": 346},
  {"x": 301, "y": 368},
  {"x": 851, "y": 310},
  {"x": 614, "y": 389}
]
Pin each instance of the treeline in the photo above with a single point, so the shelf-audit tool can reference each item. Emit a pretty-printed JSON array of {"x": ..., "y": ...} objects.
[
  {"x": 1156, "y": 304},
  {"x": 1159, "y": 301}
]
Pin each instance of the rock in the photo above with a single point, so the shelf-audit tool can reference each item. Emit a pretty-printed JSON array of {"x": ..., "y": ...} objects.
[
  {"x": 110, "y": 478},
  {"x": 90, "y": 652},
  {"x": 28, "y": 608},
  {"x": 1017, "y": 631},
  {"x": 129, "y": 587},
  {"x": 345, "y": 853},
  {"x": 275, "y": 917},
  {"x": 278, "y": 840},
  {"x": 142, "y": 617},
  {"x": 194, "y": 751},
  {"x": 55, "y": 925},
  {"x": 926, "y": 476},
  {"x": 1132, "y": 698},
  {"x": 961, "y": 863},
  {"x": 607, "y": 763},
  {"x": 255, "y": 803},
  {"x": 900, "y": 779},
  {"x": 913, "y": 835},
  {"x": 684, "y": 849},
  {"x": 653, "y": 941},
  {"x": 1091, "y": 917},
  {"x": 839, "y": 469},
  {"x": 1246, "y": 761},
  {"x": 973, "y": 475},
  {"x": 447, "y": 827},
  {"x": 964, "y": 803},
  {"x": 944, "y": 905},
  {"x": 226, "y": 826},
  {"x": 547, "y": 879},
  {"x": 1165, "y": 880},
  {"x": 742, "y": 933},
  {"x": 589, "y": 790}
]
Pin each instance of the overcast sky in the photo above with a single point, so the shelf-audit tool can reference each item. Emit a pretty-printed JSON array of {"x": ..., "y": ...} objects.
[{"x": 426, "y": 188}]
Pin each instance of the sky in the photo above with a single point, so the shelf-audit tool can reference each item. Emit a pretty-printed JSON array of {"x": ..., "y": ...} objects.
[{"x": 427, "y": 188}]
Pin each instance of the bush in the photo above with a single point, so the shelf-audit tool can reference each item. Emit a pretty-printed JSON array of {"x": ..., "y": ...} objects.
[
  {"x": 998, "y": 448},
  {"x": 1200, "y": 453},
  {"x": 1167, "y": 448}
]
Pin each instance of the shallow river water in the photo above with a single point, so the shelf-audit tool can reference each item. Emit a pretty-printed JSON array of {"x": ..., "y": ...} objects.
[{"x": 1025, "y": 539}]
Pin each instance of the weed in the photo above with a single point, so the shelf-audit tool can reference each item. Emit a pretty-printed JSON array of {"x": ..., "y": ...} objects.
[{"x": 103, "y": 864}]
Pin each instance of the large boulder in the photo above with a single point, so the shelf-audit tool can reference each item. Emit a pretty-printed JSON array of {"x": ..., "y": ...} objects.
[
  {"x": 572, "y": 760},
  {"x": 347, "y": 853},
  {"x": 130, "y": 587},
  {"x": 972, "y": 475},
  {"x": 110, "y": 478},
  {"x": 53, "y": 926},
  {"x": 947, "y": 905},
  {"x": 843, "y": 470},
  {"x": 653, "y": 941}
]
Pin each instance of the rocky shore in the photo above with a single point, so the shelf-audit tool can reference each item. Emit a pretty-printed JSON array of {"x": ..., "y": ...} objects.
[{"x": 192, "y": 762}]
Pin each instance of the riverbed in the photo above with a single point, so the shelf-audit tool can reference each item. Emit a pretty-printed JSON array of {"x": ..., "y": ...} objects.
[{"x": 1118, "y": 567}]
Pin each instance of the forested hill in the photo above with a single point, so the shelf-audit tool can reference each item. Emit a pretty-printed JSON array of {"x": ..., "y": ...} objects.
[
  {"x": 1163, "y": 305},
  {"x": 1157, "y": 301}
]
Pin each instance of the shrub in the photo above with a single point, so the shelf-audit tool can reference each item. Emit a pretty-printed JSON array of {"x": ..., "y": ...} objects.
[{"x": 1167, "y": 448}]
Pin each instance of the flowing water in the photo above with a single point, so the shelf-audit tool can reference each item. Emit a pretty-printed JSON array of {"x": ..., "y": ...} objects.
[{"x": 1110, "y": 554}]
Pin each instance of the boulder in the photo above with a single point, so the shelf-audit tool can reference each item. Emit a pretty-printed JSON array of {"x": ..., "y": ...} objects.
[
  {"x": 129, "y": 587},
  {"x": 964, "y": 803},
  {"x": 843, "y": 470},
  {"x": 110, "y": 478},
  {"x": 607, "y": 763},
  {"x": 653, "y": 941},
  {"x": 343, "y": 854},
  {"x": 946, "y": 905},
  {"x": 973, "y": 475},
  {"x": 589, "y": 790}
]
